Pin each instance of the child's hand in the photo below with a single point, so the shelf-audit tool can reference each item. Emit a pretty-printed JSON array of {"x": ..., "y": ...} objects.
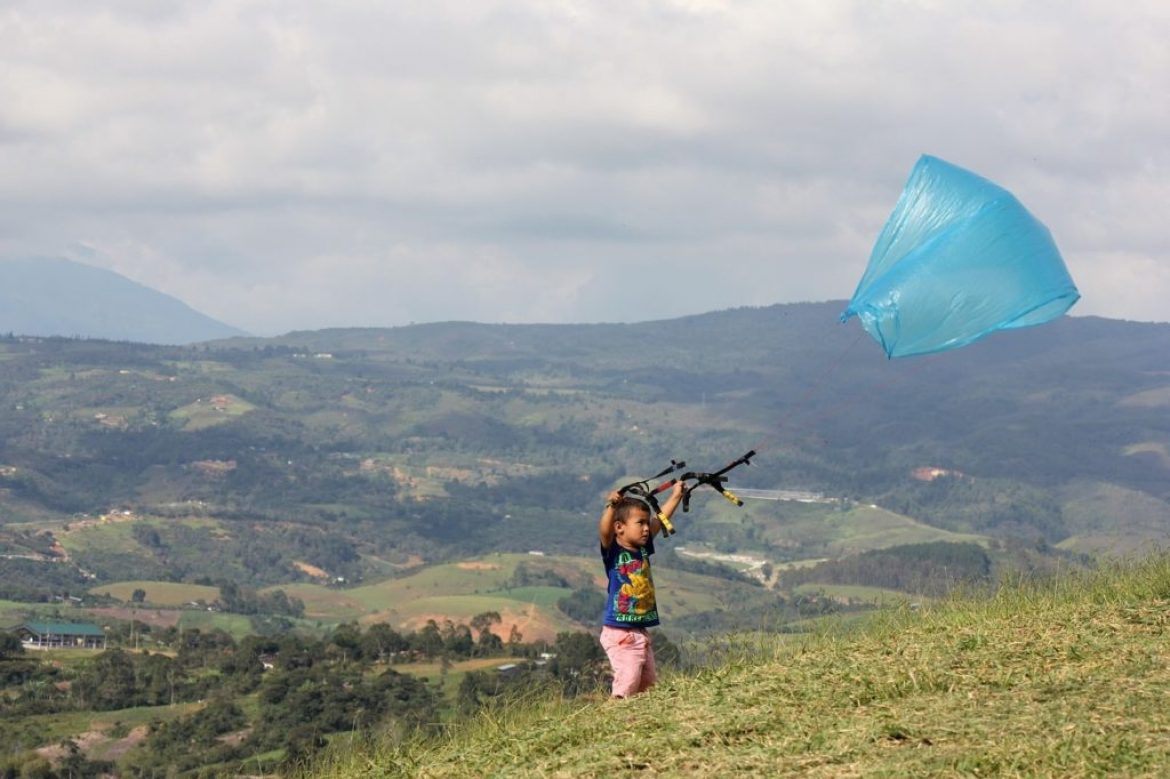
[
  {"x": 612, "y": 499},
  {"x": 678, "y": 490}
]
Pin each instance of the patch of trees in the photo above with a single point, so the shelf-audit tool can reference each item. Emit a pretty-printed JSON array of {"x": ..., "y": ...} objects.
[
  {"x": 250, "y": 553},
  {"x": 67, "y": 485},
  {"x": 453, "y": 640},
  {"x": 330, "y": 551},
  {"x": 558, "y": 529},
  {"x": 333, "y": 699},
  {"x": 993, "y": 506},
  {"x": 579, "y": 663},
  {"x": 307, "y": 687},
  {"x": 531, "y": 575},
  {"x": 925, "y": 569},
  {"x": 72, "y": 764},
  {"x": 10, "y": 646},
  {"x": 192, "y": 741},
  {"x": 242, "y": 600},
  {"x": 766, "y": 612},
  {"x": 27, "y": 541},
  {"x": 559, "y": 488},
  {"x": 574, "y": 663},
  {"x": 299, "y": 705},
  {"x": 34, "y": 581},
  {"x": 118, "y": 680},
  {"x": 584, "y": 604},
  {"x": 16, "y": 669}
]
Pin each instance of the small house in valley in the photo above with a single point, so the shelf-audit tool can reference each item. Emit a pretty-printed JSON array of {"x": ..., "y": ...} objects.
[{"x": 61, "y": 635}]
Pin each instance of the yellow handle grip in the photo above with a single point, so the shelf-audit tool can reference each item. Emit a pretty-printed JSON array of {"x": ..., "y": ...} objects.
[
  {"x": 667, "y": 527},
  {"x": 731, "y": 496}
]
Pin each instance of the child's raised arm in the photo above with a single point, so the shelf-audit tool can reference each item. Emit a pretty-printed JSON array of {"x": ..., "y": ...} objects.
[
  {"x": 671, "y": 505},
  {"x": 605, "y": 526}
]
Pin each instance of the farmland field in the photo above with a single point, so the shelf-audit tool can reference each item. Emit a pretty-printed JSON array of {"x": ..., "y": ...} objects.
[
  {"x": 449, "y": 681},
  {"x": 160, "y": 593},
  {"x": 12, "y": 611},
  {"x": 458, "y": 591},
  {"x": 325, "y": 603},
  {"x": 237, "y": 625},
  {"x": 533, "y": 621}
]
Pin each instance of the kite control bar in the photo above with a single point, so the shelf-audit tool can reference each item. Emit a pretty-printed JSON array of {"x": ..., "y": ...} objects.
[
  {"x": 715, "y": 480},
  {"x": 642, "y": 490}
]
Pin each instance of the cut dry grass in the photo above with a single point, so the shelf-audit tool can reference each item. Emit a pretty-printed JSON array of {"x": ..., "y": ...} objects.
[{"x": 1063, "y": 678}]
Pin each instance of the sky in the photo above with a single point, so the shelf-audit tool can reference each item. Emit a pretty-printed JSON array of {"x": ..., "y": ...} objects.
[{"x": 287, "y": 165}]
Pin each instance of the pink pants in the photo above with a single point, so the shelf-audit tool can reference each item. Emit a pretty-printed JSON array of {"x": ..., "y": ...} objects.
[{"x": 632, "y": 659}]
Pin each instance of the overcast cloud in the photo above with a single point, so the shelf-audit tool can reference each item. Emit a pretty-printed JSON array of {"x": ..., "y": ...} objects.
[{"x": 289, "y": 165}]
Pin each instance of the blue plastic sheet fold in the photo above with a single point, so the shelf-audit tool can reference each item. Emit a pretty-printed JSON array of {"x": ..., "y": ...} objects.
[{"x": 959, "y": 258}]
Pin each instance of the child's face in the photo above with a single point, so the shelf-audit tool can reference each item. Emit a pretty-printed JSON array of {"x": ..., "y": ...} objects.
[{"x": 635, "y": 530}]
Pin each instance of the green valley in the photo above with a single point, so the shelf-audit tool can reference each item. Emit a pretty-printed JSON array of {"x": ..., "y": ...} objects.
[{"x": 371, "y": 507}]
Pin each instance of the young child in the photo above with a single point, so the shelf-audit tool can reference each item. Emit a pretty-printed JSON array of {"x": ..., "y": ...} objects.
[{"x": 627, "y": 532}]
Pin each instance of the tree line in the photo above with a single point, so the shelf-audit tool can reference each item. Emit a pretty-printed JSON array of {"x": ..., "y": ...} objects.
[{"x": 306, "y": 687}]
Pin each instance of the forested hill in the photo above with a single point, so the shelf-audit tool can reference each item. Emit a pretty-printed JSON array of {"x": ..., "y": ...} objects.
[
  {"x": 455, "y": 438},
  {"x": 1083, "y": 397}
]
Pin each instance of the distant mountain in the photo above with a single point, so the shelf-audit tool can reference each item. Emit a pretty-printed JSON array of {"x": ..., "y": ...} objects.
[{"x": 52, "y": 296}]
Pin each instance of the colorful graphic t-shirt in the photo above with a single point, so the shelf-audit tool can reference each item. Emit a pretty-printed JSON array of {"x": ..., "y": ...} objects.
[{"x": 630, "y": 600}]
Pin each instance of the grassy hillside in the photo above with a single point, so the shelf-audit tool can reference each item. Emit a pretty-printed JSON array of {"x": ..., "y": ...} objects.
[
  {"x": 1064, "y": 678},
  {"x": 161, "y": 593}
]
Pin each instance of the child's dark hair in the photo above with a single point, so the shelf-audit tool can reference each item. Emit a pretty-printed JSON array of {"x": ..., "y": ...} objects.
[{"x": 626, "y": 506}]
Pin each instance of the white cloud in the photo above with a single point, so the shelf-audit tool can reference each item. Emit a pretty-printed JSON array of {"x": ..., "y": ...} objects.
[{"x": 287, "y": 165}]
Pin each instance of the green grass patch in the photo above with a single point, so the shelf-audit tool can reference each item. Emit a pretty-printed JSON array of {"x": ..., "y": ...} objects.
[
  {"x": 325, "y": 603},
  {"x": 878, "y": 596},
  {"x": 160, "y": 593},
  {"x": 680, "y": 592},
  {"x": 112, "y": 536},
  {"x": 1108, "y": 519},
  {"x": 210, "y": 411},
  {"x": 865, "y": 527},
  {"x": 236, "y": 625},
  {"x": 451, "y": 579},
  {"x": 448, "y": 681},
  {"x": 13, "y": 612},
  {"x": 545, "y": 597}
]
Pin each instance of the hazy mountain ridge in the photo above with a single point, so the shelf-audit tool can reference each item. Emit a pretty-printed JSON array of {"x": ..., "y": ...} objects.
[{"x": 58, "y": 297}]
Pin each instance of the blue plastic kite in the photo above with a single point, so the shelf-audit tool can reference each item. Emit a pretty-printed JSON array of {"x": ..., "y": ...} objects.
[{"x": 959, "y": 258}]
